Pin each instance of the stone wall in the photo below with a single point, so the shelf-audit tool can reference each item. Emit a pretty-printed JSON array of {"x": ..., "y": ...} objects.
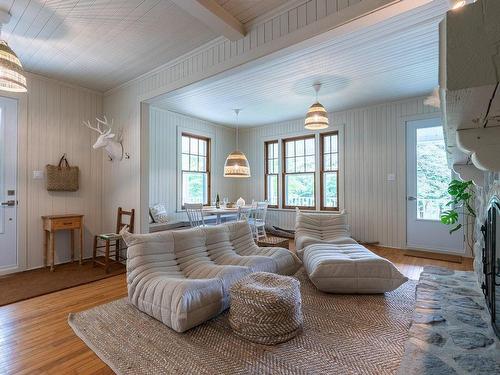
[{"x": 484, "y": 194}]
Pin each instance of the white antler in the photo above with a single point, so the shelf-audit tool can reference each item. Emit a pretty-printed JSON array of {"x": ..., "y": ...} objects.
[
  {"x": 98, "y": 129},
  {"x": 105, "y": 123}
]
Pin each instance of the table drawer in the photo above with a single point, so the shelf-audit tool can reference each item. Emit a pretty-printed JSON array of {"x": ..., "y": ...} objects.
[{"x": 69, "y": 223}]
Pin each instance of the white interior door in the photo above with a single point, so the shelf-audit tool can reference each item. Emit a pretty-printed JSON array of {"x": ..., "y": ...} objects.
[
  {"x": 9, "y": 259},
  {"x": 428, "y": 176}
]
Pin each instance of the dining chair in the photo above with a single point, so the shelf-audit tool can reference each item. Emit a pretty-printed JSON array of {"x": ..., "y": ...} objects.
[
  {"x": 257, "y": 219},
  {"x": 243, "y": 213},
  {"x": 195, "y": 214}
]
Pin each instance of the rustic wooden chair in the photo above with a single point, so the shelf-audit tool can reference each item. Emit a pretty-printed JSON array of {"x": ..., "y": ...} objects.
[{"x": 110, "y": 242}]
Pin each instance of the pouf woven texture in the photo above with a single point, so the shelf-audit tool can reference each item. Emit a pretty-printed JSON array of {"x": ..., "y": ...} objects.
[{"x": 266, "y": 308}]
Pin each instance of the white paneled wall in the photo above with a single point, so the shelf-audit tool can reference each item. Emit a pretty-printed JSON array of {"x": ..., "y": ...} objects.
[
  {"x": 50, "y": 124},
  {"x": 374, "y": 146},
  {"x": 163, "y": 135}
]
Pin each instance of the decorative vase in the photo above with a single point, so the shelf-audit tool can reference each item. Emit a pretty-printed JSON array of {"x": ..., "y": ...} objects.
[{"x": 240, "y": 202}]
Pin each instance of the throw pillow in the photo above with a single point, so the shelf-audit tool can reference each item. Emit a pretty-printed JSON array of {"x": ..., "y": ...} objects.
[{"x": 159, "y": 213}]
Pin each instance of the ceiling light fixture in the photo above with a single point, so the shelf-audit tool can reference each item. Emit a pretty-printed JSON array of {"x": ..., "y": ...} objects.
[
  {"x": 236, "y": 164},
  {"x": 317, "y": 117},
  {"x": 11, "y": 70}
]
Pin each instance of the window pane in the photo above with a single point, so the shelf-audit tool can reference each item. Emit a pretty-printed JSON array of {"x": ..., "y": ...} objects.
[
  {"x": 271, "y": 151},
  {"x": 203, "y": 147},
  {"x": 275, "y": 166},
  {"x": 300, "y": 147},
  {"x": 330, "y": 198},
  {"x": 202, "y": 164},
  {"x": 193, "y": 163},
  {"x": 310, "y": 146},
  {"x": 335, "y": 162},
  {"x": 290, "y": 149},
  {"x": 327, "y": 162},
  {"x": 299, "y": 190},
  {"x": 290, "y": 165},
  {"x": 300, "y": 164},
  {"x": 275, "y": 150},
  {"x": 185, "y": 162},
  {"x": 185, "y": 144},
  {"x": 272, "y": 190},
  {"x": 335, "y": 142},
  {"x": 194, "y": 146},
  {"x": 310, "y": 164},
  {"x": 433, "y": 174},
  {"x": 194, "y": 187},
  {"x": 326, "y": 144}
]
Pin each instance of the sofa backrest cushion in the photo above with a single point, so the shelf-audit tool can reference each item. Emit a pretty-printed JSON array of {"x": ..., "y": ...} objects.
[
  {"x": 186, "y": 250},
  {"x": 322, "y": 226}
]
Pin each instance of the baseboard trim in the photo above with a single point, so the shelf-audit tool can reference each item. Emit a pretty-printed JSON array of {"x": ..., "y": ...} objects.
[{"x": 436, "y": 256}]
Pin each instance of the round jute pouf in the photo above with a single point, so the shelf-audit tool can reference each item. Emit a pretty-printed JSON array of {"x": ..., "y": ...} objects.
[{"x": 266, "y": 308}]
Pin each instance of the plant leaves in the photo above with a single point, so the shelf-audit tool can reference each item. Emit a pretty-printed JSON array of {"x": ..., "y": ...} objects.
[{"x": 449, "y": 217}]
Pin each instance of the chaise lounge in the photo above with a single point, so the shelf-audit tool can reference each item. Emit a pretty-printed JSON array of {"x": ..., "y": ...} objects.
[
  {"x": 336, "y": 263},
  {"x": 182, "y": 278}
]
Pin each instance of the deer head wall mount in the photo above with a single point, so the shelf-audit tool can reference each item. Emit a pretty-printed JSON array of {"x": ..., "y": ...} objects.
[{"x": 111, "y": 142}]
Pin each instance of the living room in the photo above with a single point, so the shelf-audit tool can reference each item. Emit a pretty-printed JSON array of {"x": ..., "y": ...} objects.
[{"x": 300, "y": 156}]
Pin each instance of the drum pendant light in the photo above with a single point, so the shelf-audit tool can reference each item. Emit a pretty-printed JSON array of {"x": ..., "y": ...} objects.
[
  {"x": 236, "y": 162},
  {"x": 12, "y": 77},
  {"x": 317, "y": 117}
]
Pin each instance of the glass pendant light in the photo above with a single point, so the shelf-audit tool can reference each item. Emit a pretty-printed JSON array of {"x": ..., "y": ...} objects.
[
  {"x": 317, "y": 117},
  {"x": 11, "y": 70},
  {"x": 236, "y": 162}
]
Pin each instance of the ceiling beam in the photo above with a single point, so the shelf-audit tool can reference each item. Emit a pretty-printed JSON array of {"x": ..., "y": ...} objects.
[{"x": 214, "y": 16}]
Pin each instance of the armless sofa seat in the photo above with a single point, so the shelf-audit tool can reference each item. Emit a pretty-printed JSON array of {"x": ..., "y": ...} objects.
[
  {"x": 182, "y": 278},
  {"x": 312, "y": 228}
]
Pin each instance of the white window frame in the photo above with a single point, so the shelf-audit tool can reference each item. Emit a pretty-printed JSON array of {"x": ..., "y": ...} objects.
[{"x": 212, "y": 157}]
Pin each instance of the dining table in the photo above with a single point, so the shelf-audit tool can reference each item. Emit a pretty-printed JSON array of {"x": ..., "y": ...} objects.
[{"x": 224, "y": 211}]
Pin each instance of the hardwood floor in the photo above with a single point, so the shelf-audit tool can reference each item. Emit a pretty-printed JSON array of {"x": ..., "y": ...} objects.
[{"x": 36, "y": 339}]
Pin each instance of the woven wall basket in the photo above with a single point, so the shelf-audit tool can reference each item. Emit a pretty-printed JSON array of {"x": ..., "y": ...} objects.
[{"x": 62, "y": 177}]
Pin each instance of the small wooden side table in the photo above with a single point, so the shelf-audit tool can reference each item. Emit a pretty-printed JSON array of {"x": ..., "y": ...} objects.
[{"x": 54, "y": 223}]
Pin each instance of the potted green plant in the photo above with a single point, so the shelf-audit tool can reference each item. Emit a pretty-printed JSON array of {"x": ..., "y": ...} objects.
[{"x": 462, "y": 199}]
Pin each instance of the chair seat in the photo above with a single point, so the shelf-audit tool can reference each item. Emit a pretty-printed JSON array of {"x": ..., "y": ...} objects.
[
  {"x": 110, "y": 236},
  {"x": 257, "y": 222}
]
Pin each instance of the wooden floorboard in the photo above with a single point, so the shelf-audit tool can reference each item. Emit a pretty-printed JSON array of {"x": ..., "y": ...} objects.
[{"x": 35, "y": 337}]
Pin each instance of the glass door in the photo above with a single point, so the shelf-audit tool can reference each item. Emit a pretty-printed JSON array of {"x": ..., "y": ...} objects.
[{"x": 428, "y": 177}]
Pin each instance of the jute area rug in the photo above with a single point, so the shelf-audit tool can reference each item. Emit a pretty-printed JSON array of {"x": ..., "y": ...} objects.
[{"x": 343, "y": 334}]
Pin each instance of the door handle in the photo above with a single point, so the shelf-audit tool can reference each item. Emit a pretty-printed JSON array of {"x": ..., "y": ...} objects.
[
  {"x": 411, "y": 198},
  {"x": 9, "y": 203}
]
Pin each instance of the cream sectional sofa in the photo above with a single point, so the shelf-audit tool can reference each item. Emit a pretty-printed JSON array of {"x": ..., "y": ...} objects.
[{"x": 182, "y": 278}]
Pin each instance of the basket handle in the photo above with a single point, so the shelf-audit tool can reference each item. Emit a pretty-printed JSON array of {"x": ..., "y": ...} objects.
[{"x": 63, "y": 159}]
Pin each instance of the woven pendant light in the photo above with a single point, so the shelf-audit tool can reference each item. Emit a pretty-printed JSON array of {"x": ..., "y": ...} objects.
[
  {"x": 11, "y": 70},
  {"x": 236, "y": 164},
  {"x": 317, "y": 117}
]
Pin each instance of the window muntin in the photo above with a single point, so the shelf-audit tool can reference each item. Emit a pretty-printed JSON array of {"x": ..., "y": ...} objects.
[
  {"x": 299, "y": 172},
  {"x": 271, "y": 159},
  {"x": 195, "y": 169}
]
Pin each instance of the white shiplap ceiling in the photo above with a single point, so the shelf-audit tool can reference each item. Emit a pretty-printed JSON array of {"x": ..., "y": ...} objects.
[
  {"x": 394, "y": 59},
  {"x": 247, "y": 10},
  {"x": 99, "y": 44}
]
